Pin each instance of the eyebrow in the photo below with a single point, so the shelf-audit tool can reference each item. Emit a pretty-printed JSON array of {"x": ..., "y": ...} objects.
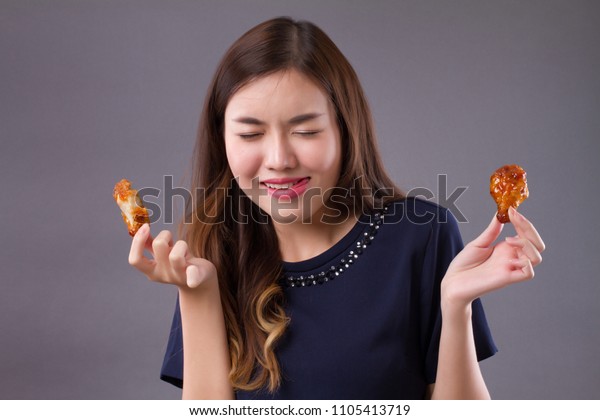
[{"x": 298, "y": 119}]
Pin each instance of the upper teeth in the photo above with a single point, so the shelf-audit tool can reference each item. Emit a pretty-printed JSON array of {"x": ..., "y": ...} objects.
[{"x": 281, "y": 186}]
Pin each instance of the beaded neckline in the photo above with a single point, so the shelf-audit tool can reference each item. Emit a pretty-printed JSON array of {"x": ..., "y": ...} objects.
[{"x": 336, "y": 270}]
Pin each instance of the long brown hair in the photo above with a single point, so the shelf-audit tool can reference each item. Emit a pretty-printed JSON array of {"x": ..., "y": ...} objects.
[{"x": 229, "y": 230}]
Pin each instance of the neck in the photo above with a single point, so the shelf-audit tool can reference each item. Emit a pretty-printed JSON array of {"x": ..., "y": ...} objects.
[{"x": 301, "y": 241}]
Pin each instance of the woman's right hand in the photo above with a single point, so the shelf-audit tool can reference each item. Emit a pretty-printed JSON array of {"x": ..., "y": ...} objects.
[
  {"x": 171, "y": 263},
  {"x": 206, "y": 358}
]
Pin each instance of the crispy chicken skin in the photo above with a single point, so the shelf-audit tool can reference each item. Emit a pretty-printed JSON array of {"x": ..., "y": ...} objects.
[
  {"x": 132, "y": 208},
  {"x": 508, "y": 187}
]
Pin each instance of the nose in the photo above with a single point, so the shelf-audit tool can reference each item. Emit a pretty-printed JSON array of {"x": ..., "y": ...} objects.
[{"x": 279, "y": 153}]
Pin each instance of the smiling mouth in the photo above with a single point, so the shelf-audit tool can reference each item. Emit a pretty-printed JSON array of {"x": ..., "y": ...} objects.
[
  {"x": 284, "y": 184},
  {"x": 286, "y": 187}
]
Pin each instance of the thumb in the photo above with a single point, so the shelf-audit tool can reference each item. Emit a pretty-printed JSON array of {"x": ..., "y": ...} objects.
[{"x": 489, "y": 235}]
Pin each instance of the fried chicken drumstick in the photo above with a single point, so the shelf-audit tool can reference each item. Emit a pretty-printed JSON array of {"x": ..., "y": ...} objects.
[
  {"x": 132, "y": 208},
  {"x": 508, "y": 187}
]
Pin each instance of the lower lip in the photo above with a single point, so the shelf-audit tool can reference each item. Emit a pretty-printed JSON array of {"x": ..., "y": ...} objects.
[{"x": 293, "y": 192}]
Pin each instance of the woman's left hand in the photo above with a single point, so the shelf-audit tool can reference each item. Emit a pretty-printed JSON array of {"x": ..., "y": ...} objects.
[{"x": 481, "y": 268}]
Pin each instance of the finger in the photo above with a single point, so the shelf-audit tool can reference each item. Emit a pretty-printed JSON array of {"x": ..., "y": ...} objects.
[
  {"x": 137, "y": 258},
  {"x": 178, "y": 255},
  {"x": 148, "y": 244},
  {"x": 161, "y": 246},
  {"x": 199, "y": 271},
  {"x": 525, "y": 229},
  {"x": 165, "y": 237},
  {"x": 193, "y": 277},
  {"x": 528, "y": 249},
  {"x": 489, "y": 235},
  {"x": 522, "y": 270}
]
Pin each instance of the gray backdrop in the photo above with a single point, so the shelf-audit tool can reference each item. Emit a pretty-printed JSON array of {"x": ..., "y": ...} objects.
[{"x": 92, "y": 91}]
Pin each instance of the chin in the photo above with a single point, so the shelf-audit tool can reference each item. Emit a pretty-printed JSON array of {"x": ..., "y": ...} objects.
[{"x": 290, "y": 212}]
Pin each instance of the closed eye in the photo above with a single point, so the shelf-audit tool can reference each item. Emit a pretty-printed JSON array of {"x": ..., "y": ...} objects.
[
  {"x": 249, "y": 136},
  {"x": 308, "y": 133}
]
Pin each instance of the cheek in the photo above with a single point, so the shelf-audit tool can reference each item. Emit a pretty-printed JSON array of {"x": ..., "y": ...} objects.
[
  {"x": 326, "y": 158},
  {"x": 244, "y": 163}
]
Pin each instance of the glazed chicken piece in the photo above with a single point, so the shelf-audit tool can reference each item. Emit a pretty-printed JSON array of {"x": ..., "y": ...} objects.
[
  {"x": 132, "y": 208},
  {"x": 508, "y": 187}
]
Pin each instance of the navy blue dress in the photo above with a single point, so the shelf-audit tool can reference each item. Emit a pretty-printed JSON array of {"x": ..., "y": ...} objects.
[{"x": 372, "y": 330}]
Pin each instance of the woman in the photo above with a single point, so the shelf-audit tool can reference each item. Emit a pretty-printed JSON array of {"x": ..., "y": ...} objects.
[{"x": 304, "y": 272}]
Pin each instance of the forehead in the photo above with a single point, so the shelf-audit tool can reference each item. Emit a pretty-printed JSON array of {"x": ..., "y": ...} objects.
[{"x": 283, "y": 92}]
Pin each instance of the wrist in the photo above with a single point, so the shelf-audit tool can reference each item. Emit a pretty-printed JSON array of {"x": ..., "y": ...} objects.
[
  {"x": 204, "y": 300},
  {"x": 454, "y": 312},
  {"x": 454, "y": 307},
  {"x": 207, "y": 289}
]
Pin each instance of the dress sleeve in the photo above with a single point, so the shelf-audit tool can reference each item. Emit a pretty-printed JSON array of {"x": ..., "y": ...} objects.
[
  {"x": 172, "y": 367},
  {"x": 444, "y": 243}
]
